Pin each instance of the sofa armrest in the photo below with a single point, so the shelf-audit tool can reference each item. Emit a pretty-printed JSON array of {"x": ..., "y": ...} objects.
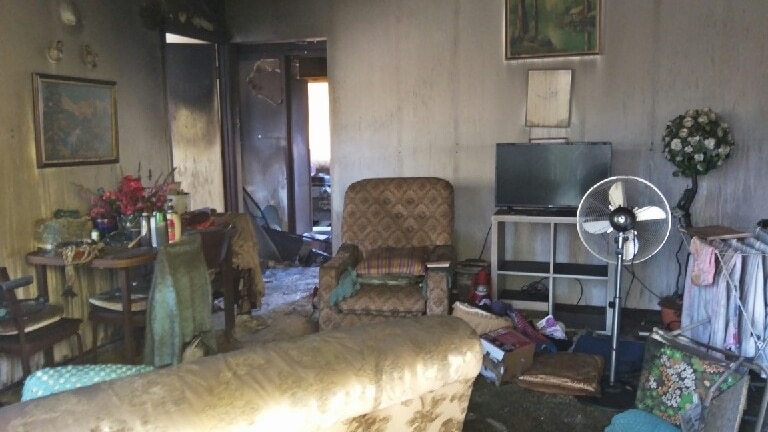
[
  {"x": 438, "y": 279},
  {"x": 348, "y": 256},
  {"x": 440, "y": 257}
]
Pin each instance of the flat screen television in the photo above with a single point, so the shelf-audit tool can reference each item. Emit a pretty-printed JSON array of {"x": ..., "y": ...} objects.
[{"x": 548, "y": 176}]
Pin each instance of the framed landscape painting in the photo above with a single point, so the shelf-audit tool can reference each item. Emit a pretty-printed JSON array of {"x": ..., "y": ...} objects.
[
  {"x": 75, "y": 121},
  {"x": 551, "y": 28}
]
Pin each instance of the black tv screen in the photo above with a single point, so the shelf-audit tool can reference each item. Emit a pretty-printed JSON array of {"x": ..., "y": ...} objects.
[{"x": 549, "y": 175}]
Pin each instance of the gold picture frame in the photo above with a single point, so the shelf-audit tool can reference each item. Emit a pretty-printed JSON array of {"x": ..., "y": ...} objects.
[
  {"x": 75, "y": 121},
  {"x": 551, "y": 29}
]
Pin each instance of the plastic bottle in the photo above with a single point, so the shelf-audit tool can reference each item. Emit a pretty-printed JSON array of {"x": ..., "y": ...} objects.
[
  {"x": 146, "y": 229},
  {"x": 174, "y": 225},
  {"x": 160, "y": 232}
]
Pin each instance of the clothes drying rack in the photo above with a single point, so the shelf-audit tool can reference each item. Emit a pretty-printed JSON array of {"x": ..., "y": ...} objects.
[
  {"x": 735, "y": 364},
  {"x": 735, "y": 361}
]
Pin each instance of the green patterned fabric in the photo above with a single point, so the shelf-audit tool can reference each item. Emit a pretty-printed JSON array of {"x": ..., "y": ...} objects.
[
  {"x": 668, "y": 385},
  {"x": 48, "y": 381}
]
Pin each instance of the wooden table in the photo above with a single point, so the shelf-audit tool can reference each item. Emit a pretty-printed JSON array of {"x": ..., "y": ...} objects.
[{"x": 119, "y": 260}]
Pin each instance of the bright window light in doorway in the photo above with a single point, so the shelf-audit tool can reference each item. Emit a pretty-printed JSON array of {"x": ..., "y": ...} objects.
[{"x": 319, "y": 125}]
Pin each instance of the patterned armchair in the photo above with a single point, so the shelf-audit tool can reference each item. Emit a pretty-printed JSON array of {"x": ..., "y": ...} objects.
[{"x": 396, "y": 254}]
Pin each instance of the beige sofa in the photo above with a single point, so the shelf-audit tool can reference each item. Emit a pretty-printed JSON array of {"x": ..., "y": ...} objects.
[{"x": 409, "y": 374}]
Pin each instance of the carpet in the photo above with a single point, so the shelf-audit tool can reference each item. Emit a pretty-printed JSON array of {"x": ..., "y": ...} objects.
[{"x": 286, "y": 310}]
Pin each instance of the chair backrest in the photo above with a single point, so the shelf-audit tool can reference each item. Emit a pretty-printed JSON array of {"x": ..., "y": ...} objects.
[
  {"x": 216, "y": 243},
  {"x": 8, "y": 295},
  {"x": 398, "y": 212}
]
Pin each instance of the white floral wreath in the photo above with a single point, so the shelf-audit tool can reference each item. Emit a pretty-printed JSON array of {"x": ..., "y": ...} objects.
[{"x": 697, "y": 142}]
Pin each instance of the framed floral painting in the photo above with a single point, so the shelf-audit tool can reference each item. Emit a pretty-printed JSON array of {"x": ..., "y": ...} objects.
[
  {"x": 535, "y": 28},
  {"x": 75, "y": 121}
]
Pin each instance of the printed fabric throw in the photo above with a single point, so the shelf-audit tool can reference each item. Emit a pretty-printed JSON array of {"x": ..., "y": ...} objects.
[{"x": 675, "y": 380}]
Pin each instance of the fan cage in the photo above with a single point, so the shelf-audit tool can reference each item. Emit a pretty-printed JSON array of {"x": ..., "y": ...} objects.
[{"x": 638, "y": 193}]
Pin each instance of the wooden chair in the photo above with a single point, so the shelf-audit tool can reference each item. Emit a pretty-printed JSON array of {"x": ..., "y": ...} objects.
[
  {"x": 108, "y": 309},
  {"x": 31, "y": 326}
]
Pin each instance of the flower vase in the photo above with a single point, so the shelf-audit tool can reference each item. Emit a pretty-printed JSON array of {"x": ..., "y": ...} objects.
[
  {"x": 671, "y": 311},
  {"x": 130, "y": 225},
  {"x": 106, "y": 226}
]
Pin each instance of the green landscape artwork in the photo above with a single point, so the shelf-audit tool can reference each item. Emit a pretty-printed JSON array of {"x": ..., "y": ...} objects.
[{"x": 549, "y": 28}]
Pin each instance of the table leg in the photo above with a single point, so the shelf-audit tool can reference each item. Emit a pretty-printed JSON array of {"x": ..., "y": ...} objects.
[
  {"x": 227, "y": 284},
  {"x": 41, "y": 276},
  {"x": 125, "y": 291}
]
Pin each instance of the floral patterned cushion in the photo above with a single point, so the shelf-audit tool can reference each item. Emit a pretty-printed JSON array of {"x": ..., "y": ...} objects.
[
  {"x": 392, "y": 260},
  {"x": 667, "y": 386}
]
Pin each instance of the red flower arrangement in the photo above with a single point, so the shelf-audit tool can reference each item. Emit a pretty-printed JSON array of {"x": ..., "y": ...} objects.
[{"x": 131, "y": 197}]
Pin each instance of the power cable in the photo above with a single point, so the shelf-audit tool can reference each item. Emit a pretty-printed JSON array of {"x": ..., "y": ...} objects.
[{"x": 485, "y": 242}]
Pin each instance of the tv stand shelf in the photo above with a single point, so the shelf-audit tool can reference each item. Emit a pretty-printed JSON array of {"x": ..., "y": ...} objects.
[
  {"x": 524, "y": 248},
  {"x": 542, "y": 268}
]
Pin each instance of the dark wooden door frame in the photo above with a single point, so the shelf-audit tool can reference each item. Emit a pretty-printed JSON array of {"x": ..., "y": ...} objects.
[{"x": 229, "y": 152}]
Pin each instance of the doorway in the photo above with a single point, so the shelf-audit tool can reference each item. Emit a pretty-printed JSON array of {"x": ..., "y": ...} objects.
[
  {"x": 320, "y": 155},
  {"x": 276, "y": 139}
]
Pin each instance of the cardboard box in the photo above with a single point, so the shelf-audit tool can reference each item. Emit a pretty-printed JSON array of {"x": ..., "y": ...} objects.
[{"x": 506, "y": 354}]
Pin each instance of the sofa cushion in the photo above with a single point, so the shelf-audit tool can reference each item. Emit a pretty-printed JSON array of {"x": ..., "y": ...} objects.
[
  {"x": 564, "y": 373},
  {"x": 396, "y": 300},
  {"x": 478, "y": 319},
  {"x": 392, "y": 260}
]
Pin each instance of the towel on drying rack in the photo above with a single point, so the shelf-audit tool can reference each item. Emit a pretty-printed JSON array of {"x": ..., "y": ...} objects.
[{"x": 703, "y": 262}]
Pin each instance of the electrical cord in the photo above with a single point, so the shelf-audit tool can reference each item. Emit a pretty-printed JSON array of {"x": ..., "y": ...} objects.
[
  {"x": 679, "y": 266},
  {"x": 485, "y": 242},
  {"x": 581, "y": 292}
]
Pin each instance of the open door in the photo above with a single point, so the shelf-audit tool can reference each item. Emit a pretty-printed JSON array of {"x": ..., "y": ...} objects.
[{"x": 194, "y": 120}]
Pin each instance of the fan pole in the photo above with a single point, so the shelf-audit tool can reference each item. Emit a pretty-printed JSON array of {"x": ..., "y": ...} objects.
[{"x": 616, "y": 307}]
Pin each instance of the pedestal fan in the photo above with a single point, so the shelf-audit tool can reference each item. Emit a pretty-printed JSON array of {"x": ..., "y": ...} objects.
[{"x": 622, "y": 219}]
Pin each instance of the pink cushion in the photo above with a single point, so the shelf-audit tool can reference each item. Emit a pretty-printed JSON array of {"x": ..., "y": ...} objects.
[{"x": 391, "y": 260}]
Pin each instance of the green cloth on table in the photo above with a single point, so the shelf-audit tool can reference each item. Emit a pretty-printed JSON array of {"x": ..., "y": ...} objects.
[{"x": 179, "y": 303}]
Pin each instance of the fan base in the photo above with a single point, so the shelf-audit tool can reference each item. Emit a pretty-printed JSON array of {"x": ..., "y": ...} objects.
[{"x": 619, "y": 396}]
